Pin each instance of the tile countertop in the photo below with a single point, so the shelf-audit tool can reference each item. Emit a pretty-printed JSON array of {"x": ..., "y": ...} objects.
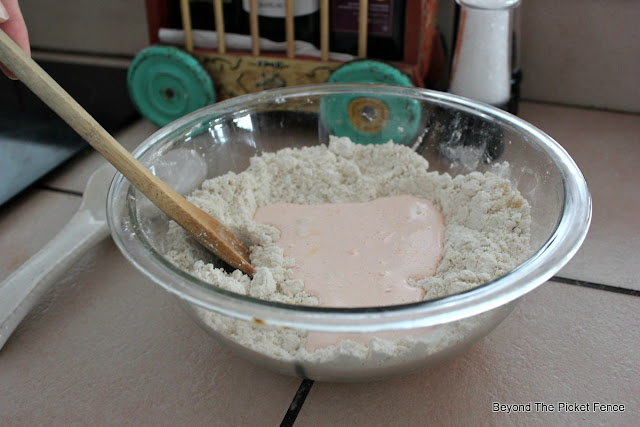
[{"x": 106, "y": 346}]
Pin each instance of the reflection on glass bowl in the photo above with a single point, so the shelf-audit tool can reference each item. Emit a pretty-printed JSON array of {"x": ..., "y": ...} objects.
[{"x": 455, "y": 135}]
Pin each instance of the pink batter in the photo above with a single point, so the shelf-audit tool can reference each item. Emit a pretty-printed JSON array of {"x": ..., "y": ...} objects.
[{"x": 360, "y": 254}]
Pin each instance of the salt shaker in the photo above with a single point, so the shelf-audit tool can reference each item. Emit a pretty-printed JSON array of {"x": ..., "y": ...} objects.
[{"x": 483, "y": 59}]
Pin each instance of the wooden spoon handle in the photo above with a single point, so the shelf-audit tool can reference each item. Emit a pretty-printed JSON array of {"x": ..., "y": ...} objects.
[{"x": 206, "y": 229}]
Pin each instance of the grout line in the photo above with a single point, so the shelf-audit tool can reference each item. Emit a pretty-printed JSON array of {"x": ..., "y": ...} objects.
[
  {"x": 83, "y": 58},
  {"x": 578, "y": 106},
  {"x": 296, "y": 403},
  {"x": 61, "y": 190},
  {"x": 598, "y": 286}
]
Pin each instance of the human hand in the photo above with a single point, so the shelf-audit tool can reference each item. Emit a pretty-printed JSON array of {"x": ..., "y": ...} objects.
[{"x": 12, "y": 23}]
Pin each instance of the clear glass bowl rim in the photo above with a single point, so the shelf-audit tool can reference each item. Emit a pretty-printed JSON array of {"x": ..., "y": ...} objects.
[{"x": 541, "y": 266}]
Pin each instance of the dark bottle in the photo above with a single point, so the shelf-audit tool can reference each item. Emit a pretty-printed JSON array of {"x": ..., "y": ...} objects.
[
  {"x": 203, "y": 18},
  {"x": 516, "y": 71},
  {"x": 271, "y": 19},
  {"x": 385, "y": 28}
]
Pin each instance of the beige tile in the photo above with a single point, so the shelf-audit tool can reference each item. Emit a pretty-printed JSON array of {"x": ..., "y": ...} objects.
[
  {"x": 28, "y": 222},
  {"x": 108, "y": 347},
  {"x": 582, "y": 52},
  {"x": 562, "y": 343},
  {"x": 74, "y": 175},
  {"x": 606, "y": 147}
]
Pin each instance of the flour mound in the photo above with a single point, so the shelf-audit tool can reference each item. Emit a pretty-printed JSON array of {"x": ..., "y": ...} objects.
[
  {"x": 487, "y": 233},
  {"x": 487, "y": 220}
]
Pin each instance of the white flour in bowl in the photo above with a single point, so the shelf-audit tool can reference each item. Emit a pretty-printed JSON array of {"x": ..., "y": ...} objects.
[{"x": 487, "y": 234}]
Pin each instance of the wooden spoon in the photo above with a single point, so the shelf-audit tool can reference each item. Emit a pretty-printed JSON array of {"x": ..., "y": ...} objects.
[{"x": 206, "y": 229}]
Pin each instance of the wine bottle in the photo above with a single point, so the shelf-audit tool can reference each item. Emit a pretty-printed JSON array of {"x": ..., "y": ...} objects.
[
  {"x": 271, "y": 19},
  {"x": 385, "y": 28},
  {"x": 203, "y": 17}
]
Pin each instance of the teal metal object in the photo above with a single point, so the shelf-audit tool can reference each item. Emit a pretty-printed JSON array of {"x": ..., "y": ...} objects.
[
  {"x": 165, "y": 83},
  {"x": 371, "y": 120}
]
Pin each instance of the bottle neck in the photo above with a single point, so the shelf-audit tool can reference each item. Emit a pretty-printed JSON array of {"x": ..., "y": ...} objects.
[
  {"x": 489, "y": 4},
  {"x": 277, "y": 8}
]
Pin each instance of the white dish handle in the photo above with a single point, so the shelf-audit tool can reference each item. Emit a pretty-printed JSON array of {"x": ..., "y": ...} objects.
[{"x": 24, "y": 287}]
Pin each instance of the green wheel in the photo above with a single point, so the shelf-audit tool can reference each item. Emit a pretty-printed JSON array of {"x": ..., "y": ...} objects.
[
  {"x": 165, "y": 83},
  {"x": 374, "y": 119}
]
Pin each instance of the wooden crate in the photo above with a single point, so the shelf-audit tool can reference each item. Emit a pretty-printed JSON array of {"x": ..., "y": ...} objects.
[{"x": 239, "y": 72}]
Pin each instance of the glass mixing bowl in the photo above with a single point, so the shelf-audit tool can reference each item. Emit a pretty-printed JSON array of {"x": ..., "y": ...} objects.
[{"x": 454, "y": 134}]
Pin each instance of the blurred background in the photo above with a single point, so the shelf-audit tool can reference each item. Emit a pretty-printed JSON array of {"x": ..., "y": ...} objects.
[
  {"x": 575, "y": 52},
  {"x": 583, "y": 53}
]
